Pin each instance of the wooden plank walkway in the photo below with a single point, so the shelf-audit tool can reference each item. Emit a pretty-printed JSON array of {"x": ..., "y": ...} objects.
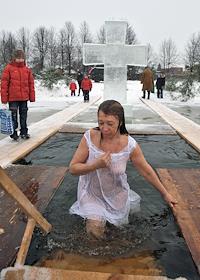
[
  {"x": 143, "y": 129},
  {"x": 187, "y": 129},
  {"x": 42, "y": 273},
  {"x": 184, "y": 184},
  {"x": 38, "y": 183},
  {"x": 40, "y": 132}
]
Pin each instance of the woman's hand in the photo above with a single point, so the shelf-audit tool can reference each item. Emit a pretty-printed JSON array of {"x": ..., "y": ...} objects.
[
  {"x": 170, "y": 200},
  {"x": 103, "y": 161}
]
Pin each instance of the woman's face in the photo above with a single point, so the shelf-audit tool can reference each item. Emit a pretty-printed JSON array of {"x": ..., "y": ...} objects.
[
  {"x": 19, "y": 60},
  {"x": 108, "y": 124}
]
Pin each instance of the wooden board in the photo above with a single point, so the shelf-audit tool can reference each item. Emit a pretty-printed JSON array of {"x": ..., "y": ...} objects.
[
  {"x": 143, "y": 129},
  {"x": 11, "y": 150},
  {"x": 187, "y": 129},
  {"x": 184, "y": 184},
  {"x": 38, "y": 183},
  {"x": 41, "y": 273}
]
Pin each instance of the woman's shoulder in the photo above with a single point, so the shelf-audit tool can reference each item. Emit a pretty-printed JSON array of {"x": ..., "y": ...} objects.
[
  {"x": 92, "y": 133},
  {"x": 131, "y": 143}
]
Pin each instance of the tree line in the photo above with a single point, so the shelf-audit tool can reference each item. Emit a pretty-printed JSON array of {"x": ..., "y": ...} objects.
[{"x": 50, "y": 49}]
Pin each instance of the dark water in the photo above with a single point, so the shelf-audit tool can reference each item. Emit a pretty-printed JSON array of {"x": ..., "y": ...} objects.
[
  {"x": 153, "y": 230},
  {"x": 190, "y": 112}
]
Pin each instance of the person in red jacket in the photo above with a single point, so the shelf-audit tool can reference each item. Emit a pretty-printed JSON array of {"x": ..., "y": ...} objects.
[
  {"x": 86, "y": 86},
  {"x": 72, "y": 87},
  {"x": 17, "y": 87}
]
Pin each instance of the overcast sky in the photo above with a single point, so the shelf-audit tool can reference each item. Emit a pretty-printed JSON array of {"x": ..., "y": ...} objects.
[{"x": 152, "y": 20}]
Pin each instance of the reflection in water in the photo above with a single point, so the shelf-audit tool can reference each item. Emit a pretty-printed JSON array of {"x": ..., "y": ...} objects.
[{"x": 153, "y": 231}]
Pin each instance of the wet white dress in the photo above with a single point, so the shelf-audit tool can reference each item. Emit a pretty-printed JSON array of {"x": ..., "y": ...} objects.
[{"x": 105, "y": 194}]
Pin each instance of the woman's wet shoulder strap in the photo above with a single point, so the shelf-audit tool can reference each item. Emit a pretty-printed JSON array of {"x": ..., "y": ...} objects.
[{"x": 131, "y": 143}]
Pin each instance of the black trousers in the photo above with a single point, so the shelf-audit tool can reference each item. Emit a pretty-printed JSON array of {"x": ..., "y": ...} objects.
[
  {"x": 22, "y": 108},
  {"x": 86, "y": 95},
  {"x": 144, "y": 94},
  {"x": 160, "y": 93},
  {"x": 79, "y": 87}
]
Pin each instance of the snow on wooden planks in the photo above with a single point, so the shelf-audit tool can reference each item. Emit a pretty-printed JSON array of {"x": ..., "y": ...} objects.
[
  {"x": 40, "y": 132},
  {"x": 188, "y": 129}
]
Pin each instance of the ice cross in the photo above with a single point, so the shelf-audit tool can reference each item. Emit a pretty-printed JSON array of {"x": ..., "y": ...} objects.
[{"x": 115, "y": 56}]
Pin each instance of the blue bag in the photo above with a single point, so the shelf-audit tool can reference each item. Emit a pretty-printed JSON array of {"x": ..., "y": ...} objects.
[{"x": 6, "y": 124}]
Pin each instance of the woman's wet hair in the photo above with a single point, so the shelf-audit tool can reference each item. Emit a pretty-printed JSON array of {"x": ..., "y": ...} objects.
[{"x": 114, "y": 108}]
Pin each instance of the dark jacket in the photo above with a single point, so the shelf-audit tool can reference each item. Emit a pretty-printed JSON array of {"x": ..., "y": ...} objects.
[
  {"x": 160, "y": 82},
  {"x": 79, "y": 77}
]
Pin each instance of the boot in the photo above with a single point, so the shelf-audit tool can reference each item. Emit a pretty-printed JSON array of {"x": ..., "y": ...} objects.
[{"x": 14, "y": 136}]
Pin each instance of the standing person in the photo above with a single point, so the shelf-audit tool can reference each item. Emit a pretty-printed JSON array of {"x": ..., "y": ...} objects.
[
  {"x": 86, "y": 86},
  {"x": 79, "y": 80},
  {"x": 147, "y": 81},
  {"x": 72, "y": 87},
  {"x": 17, "y": 88},
  {"x": 100, "y": 160},
  {"x": 160, "y": 83}
]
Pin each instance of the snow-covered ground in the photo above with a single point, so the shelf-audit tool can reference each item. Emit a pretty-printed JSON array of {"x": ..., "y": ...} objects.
[
  {"x": 49, "y": 102},
  {"x": 59, "y": 98}
]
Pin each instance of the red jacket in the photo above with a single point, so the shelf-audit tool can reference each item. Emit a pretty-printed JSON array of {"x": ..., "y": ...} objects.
[
  {"x": 17, "y": 83},
  {"x": 86, "y": 84},
  {"x": 72, "y": 86}
]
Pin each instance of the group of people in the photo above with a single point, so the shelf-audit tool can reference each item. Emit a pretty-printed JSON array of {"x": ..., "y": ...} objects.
[
  {"x": 100, "y": 160},
  {"x": 147, "y": 80},
  {"x": 17, "y": 88},
  {"x": 84, "y": 84}
]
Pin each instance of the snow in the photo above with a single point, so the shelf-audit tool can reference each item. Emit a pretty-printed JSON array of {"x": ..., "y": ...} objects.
[{"x": 59, "y": 98}]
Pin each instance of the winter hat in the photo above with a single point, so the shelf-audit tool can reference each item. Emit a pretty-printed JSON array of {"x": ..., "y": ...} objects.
[{"x": 19, "y": 54}]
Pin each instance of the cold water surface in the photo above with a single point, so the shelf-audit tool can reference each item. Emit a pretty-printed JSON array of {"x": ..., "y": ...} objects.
[{"x": 152, "y": 234}]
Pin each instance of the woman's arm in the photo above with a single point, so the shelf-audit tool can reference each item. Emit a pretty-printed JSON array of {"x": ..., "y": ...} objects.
[
  {"x": 78, "y": 164},
  {"x": 145, "y": 169}
]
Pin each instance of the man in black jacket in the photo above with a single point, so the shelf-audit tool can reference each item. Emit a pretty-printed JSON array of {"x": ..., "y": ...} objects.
[
  {"x": 160, "y": 83},
  {"x": 79, "y": 80}
]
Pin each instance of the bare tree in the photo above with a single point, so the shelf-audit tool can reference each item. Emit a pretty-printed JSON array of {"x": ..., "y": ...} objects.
[
  {"x": 61, "y": 47},
  {"x": 85, "y": 34},
  {"x": 151, "y": 56},
  {"x": 40, "y": 45},
  {"x": 52, "y": 48},
  {"x": 192, "y": 51},
  {"x": 7, "y": 47},
  {"x": 168, "y": 53},
  {"x": 3, "y": 50},
  {"x": 130, "y": 35},
  {"x": 70, "y": 44},
  {"x": 101, "y": 35},
  {"x": 23, "y": 41}
]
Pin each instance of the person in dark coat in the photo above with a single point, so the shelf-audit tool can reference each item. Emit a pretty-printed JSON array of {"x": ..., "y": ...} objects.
[
  {"x": 17, "y": 88},
  {"x": 79, "y": 80},
  {"x": 160, "y": 83},
  {"x": 147, "y": 81}
]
